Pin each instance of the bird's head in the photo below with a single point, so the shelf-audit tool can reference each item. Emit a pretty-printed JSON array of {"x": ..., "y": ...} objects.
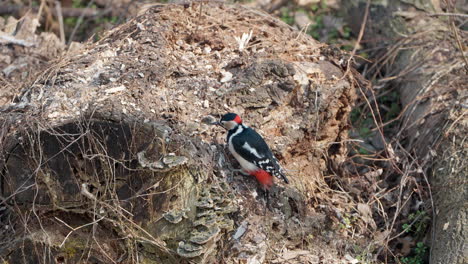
[{"x": 229, "y": 121}]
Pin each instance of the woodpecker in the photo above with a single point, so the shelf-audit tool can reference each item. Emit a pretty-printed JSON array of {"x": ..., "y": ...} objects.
[{"x": 251, "y": 151}]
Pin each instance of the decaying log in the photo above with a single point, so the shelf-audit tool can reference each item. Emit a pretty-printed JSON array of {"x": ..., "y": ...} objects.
[
  {"x": 23, "y": 53},
  {"x": 421, "y": 54},
  {"x": 109, "y": 159}
]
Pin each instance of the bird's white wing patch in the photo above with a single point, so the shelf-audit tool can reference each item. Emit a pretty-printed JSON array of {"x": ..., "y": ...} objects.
[{"x": 247, "y": 147}]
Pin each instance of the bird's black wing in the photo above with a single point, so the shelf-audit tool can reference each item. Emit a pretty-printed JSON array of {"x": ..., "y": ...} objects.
[{"x": 252, "y": 147}]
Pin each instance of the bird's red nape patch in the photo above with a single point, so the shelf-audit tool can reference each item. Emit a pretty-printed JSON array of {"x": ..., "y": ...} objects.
[
  {"x": 263, "y": 177},
  {"x": 237, "y": 119}
]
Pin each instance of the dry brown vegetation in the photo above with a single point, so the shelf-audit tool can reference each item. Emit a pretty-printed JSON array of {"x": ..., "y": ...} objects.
[{"x": 106, "y": 157}]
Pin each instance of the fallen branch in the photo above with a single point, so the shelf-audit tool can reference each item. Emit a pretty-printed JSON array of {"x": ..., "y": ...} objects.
[
  {"x": 7, "y": 39},
  {"x": 66, "y": 11},
  {"x": 58, "y": 8}
]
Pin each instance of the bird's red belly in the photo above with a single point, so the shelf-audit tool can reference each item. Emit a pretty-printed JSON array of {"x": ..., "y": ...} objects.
[{"x": 263, "y": 177}]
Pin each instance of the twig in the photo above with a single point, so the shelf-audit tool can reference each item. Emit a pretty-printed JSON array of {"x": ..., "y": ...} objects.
[
  {"x": 116, "y": 210},
  {"x": 66, "y": 11},
  {"x": 7, "y": 39},
  {"x": 459, "y": 43},
  {"x": 361, "y": 31},
  {"x": 58, "y": 8},
  {"x": 78, "y": 23},
  {"x": 449, "y": 14},
  {"x": 75, "y": 229},
  {"x": 433, "y": 213},
  {"x": 358, "y": 41},
  {"x": 399, "y": 205},
  {"x": 447, "y": 132}
]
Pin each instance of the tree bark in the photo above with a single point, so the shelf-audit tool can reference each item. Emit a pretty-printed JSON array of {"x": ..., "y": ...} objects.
[
  {"x": 106, "y": 155},
  {"x": 421, "y": 54}
]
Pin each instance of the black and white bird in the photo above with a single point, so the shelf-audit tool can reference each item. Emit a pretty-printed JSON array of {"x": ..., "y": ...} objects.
[{"x": 251, "y": 151}]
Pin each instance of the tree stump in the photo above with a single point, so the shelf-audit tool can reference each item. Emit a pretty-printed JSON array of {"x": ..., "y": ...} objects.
[{"x": 106, "y": 158}]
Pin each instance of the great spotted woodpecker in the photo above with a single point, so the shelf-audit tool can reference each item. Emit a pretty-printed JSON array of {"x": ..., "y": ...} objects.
[{"x": 251, "y": 151}]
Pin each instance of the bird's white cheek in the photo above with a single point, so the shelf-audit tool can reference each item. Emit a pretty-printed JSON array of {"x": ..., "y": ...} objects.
[{"x": 230, "y": 124}]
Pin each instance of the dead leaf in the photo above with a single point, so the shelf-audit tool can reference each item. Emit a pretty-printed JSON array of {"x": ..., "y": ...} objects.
[
  {"x": 407, "y": 244},
  {"x": 366, "y": 213},
  {"x": 293, "y": 254},
  {"x": 380, "y": 237}
]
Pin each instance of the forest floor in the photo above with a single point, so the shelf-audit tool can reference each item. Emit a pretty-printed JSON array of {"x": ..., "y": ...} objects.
[{"x": 396, "y": 203}]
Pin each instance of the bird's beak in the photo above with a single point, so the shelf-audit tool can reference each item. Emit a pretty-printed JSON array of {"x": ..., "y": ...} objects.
[{"x": 217, "y": 123}]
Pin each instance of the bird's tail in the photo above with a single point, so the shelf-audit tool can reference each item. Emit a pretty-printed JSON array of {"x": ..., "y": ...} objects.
[
  {"x": 283, "y": 176},
  {"x": 281, "y": 173}
]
